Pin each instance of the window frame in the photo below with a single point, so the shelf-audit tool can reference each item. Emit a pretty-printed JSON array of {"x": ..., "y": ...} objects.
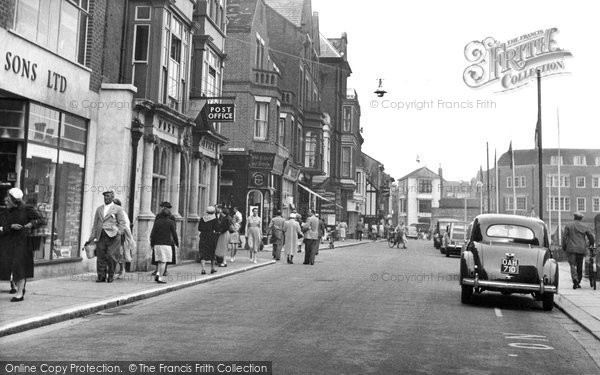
[
  {"x": 261, "y": 125},
  {"x": 578, "y": 200}
]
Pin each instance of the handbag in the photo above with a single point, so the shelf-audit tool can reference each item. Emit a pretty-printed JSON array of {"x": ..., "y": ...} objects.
[{"x": 90, "y": 249}]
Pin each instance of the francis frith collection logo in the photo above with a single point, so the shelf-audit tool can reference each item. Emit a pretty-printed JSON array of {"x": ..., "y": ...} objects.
[{"x": 514, "y": 63}]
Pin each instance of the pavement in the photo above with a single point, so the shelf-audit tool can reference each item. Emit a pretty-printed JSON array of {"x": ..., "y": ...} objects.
[
  {"x": 53, "y": 300},
  {"x": 582, "y": 305}
]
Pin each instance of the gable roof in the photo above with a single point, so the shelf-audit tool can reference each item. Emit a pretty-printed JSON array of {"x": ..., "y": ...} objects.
[
  {"x": 240, "y": 14},
  {"x": 289, "y": 9},
  {"x": 421, "y": 172},
  {"x": 327, "y": 49}
]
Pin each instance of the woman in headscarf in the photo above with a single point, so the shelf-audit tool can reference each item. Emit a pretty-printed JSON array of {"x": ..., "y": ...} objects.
[
  {"x": 16, "y": 258},
  {"x": 254, "y": 233},
  {"x": 209, "y": 233},
  {"x": 162, "y": 239},
  {"x": 225, "y": 225}
]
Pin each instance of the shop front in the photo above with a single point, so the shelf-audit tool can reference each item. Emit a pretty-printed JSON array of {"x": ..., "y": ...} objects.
[{"x": 46, "y": 122}]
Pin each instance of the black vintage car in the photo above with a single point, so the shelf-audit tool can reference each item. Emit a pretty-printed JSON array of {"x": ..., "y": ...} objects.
[{"x": 509, "y": 254}]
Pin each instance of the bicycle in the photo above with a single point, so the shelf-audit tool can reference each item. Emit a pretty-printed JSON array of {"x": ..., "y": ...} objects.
[
  {"x": 391, "y": 240},
  {"x": 592, "y": 267}
]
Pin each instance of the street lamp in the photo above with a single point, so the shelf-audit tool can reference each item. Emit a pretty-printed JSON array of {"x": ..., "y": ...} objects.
[
  {"x": 464, "y": 192},
  {"x": 480, "y": 187}
]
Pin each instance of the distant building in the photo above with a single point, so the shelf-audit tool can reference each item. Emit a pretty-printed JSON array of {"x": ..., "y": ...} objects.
[{"x": 418, "y": 193}]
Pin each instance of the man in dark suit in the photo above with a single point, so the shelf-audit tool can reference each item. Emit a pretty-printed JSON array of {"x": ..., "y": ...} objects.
[
  {"x": 574, "y": 244},
  {"x": 109, "y": 225}
]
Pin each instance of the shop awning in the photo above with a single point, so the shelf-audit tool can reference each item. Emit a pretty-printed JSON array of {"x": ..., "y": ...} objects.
[{"x": 318, "y": 195}]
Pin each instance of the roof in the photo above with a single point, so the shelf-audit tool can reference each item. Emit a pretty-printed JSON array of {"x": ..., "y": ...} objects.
[
  {"x": 289, "y": 9},
  {"x": 421, "y": 172},
  {"x": 530, "y": 157},
  {"x": 240, "y": 14},
  {"x": 327, "y": 49}
]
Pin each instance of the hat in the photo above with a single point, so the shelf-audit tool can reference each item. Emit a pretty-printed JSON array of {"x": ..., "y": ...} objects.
[
  {"x": 166, "y": 205},
  {"x": 109, "y": 192},
  {"x": 292, "y": 215},
  {"x": 578, "y": 215},
  {"x": 16, "y": 193},
  {"x": 210, "y": 209}
]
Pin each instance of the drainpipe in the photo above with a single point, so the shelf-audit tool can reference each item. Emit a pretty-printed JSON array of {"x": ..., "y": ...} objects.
[{"x": 123, "y": 40}]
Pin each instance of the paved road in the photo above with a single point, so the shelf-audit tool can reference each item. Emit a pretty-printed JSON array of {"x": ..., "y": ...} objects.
[{"x": 361, "y": 310}]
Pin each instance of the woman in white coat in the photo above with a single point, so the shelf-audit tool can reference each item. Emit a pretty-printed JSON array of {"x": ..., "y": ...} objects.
[{"x": 291, "y": 231}]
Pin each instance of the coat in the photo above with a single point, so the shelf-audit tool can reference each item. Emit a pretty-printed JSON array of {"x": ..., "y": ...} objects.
[
  {"x": 16, "y": 255},
  {"x": 209, "y": 233},
  {"x": 291, "y": 229},
  {"x": 113, "y": 223},
  {"x": 225, "y": 222},
  {"x": 574, "y": 237},
  {"x": 276, "y": 230}
]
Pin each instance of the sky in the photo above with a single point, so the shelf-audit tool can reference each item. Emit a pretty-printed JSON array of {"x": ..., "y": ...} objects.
[{"x": 418, "y": 49}]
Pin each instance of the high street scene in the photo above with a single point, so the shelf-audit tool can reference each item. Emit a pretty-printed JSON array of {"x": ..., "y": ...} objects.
[{"x": 298, "y": 187}]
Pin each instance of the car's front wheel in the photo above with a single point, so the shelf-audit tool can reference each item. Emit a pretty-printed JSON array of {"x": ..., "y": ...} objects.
[
  {"x": 548, "y": 301},
  {"x": 447, "y": 253},
  {"x": 466, "y": 293}
]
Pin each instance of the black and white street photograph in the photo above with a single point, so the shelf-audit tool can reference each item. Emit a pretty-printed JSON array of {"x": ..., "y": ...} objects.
[{"x": 299, "y": 187}]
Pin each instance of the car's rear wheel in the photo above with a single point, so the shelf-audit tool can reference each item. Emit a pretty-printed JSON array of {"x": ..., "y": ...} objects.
[
  {"x": 548, "y": 301},
  {"x": 466, "y": 293},
  {"x": 442, "y": 250}
]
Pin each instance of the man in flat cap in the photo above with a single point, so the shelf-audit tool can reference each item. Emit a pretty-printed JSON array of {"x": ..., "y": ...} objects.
[
  {"x": 574, "y": 245},
  {"x": 109, "y": 225}
]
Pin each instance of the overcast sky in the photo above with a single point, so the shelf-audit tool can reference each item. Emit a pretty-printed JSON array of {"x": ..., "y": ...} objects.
[{"x": 417, "y": 47}]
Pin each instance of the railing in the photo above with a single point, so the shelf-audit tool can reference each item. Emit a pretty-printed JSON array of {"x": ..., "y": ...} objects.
[{"x": 265, "y": 77}]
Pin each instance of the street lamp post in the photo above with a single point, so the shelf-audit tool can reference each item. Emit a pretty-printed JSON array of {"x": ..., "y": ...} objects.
[
  {"x": 464, "y": 192},
  {"x": 480, "y": 187}
]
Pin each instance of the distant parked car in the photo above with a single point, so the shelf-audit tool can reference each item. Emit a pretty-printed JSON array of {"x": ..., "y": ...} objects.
[
  {"x": 509, "y": 254},
  {"x": 454, "y": 238},
  {"x": 438, "y": 232},
  {"x": 412, "y": 232}
]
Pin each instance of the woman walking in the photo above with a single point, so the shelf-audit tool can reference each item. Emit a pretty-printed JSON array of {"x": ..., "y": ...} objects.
[
  {"x": 16, "y": 258},
  {"x": 162, "y": 239},
  {"x": 292, "y": 233},
  {"x": 234, "y": 238},
  {"x": 343, "y": 228},
  {"x": 225, "y": 224},
  {"x": 254, "y": 233},
  {"x": 209, "y": 233}
]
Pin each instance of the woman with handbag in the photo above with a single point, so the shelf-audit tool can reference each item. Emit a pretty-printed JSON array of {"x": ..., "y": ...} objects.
[
  {"x": 291, "y": 235},
  {"x": 225, "y": 224},
  {"x": 162, "y": 239},
  {"x": 254, "y": 234},
  {"x": 16, "y": 257},
  {"x": 209, "y": 234}
]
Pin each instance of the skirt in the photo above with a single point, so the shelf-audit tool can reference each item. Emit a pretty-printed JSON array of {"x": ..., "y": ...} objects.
[{"x": 163, "y": 253}]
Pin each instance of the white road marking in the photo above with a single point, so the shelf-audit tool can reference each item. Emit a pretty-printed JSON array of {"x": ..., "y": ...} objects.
[
  {"x": 513, "y": 355},
  {"x": 498, "y": 312}
]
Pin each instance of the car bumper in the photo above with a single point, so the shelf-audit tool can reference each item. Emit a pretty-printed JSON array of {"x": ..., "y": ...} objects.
[{"x": 503, "y": 285}]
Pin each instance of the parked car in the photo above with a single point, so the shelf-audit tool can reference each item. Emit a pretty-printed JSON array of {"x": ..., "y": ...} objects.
[
  {"x": 412, "y": 232},
  {"x": 454, "y": 238},
  {"x": 438, "y": 232},
  {"x": 509, "y": 254}
]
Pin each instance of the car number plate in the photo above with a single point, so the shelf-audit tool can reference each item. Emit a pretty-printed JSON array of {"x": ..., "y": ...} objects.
[{"x": 510, "y": 266}]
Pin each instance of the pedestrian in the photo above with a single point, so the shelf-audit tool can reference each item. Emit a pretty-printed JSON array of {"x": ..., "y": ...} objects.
[
  {"x": 343, "y": 229},
  {"x": 162, "y": 239},
  {"x": 209, "y": 234},
  {"x": 173, "y": 252},
  {"x": 381, "y": 231},
  {"x": 254, "y": 234},
  {"x": 311, "y": 237},
  {"x": 16, "y": 258},
  {"x": 234, "y": 239},
  {"x": 301, "y": 237},
  {"x": 109, "y": 225},
  {"x": 574, "y": 244},
  {"x": 127, "y": 245},
  {"x": 400, "y": 235},
  {"x": 360, "y": 226},
  {"x": 225, "y": 225},
  {"x": 322, "y": 232},
  {"x": 292, "y": 235},
  {"x": 276, "y": 232},
  {"x": 374, "y": 232}
]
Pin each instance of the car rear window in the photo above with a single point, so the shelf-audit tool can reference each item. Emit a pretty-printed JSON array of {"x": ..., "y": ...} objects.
[{"x": 509, "y": 231}]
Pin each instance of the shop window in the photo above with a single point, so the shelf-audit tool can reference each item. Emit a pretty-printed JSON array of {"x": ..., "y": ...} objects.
[{"x": 53, "y": 180}]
